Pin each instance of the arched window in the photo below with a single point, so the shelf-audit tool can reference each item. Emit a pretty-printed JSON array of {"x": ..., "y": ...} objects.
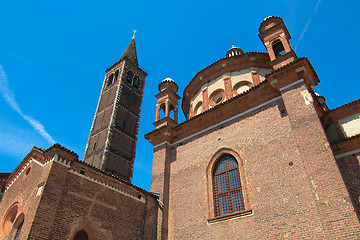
[
  {"x": 136, "y": 82},
  {"x": 278, "y": 48},
  {"x": 116, "y": 75},
  {"x": 81, "y": 235},
  {"x": 110, "y": 79},
  {"x": 198, "y": 108},
  {"x": 242, "y": 87},
  {"x": 228, "y": 196},
  {"x": 18, "y": 229},
  {"x": 129, "y": 77}
]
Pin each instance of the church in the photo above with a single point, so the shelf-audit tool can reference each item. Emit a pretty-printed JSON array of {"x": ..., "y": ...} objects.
[{"x": 259, "y": 156}]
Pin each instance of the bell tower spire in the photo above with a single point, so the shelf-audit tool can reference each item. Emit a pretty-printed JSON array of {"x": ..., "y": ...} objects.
[
  {"x": 112, "y": 141},
  {"x": 130, "y": 51}
]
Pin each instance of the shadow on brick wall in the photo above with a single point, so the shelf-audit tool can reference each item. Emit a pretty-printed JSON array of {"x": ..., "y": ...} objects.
[{"x": 350, "y": 171}]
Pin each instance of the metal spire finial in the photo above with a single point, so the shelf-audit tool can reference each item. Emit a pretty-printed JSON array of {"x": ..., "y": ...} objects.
[{"x": 134, "y": 33}]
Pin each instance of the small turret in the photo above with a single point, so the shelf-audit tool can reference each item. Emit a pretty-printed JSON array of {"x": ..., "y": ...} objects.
[
  {"x": 167, "y": 100},
  {"x": 276, "y": 38}
]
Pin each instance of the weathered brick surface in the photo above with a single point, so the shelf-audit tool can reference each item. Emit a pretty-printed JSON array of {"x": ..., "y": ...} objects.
[
  {"x": 78, "y": 197},
  {"x": 294, "y": 186},
  {"x": 160, "y": 183},
  {"x": 71, "y": 203},
  {"x": 23, "y": 191},
  {"x": 350, "y": 171}
]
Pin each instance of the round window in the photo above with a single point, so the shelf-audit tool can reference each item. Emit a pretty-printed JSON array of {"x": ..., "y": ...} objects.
[
  {"x": 218, "y": 98},
  {"x": 10, "y": 216}
]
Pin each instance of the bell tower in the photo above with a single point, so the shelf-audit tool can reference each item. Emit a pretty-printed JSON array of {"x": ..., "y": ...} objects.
[
  {"x": 167, "y": 101},
  {"x": 112, "y": 141},
  {"x": 276, "y": 38}
]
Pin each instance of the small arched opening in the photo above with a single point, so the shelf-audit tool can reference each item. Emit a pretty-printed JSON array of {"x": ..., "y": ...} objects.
[
  {"x": 130, "y": 77},
  {"x": 110, "y": 79},
  {"x": 136, "y": 82},
  {"x": 81, "y": 235},
  {"x": 278, "y": 48},
  {"x": 162, "y": 111},
  {"x": 116, "y": 76}
]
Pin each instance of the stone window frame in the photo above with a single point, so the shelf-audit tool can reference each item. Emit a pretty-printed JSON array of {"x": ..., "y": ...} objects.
[
  {"x": 215, "y": 93},
  {"x": 210, "y": 186}
]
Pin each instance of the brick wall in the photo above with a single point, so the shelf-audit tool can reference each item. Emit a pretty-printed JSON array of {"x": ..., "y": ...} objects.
[
  {"x": 72, "y": 202},
  {"x": 350, "y": 171},
  {"x": 74, "y": 197},
  {"x": 294, "y": 187},
  {"x": 23, "y": 191}
]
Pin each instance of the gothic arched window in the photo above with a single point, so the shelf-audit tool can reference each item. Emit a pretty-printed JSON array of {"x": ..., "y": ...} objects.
[
  {"x": 116, "y": 75},
  {"x": 110, "y": 79},
  {"x": 136, "y": 82},
  {"x": 18, "y": 230},
  {"x": 129, "y": 77},
  {"x": 228, "y": 196}
]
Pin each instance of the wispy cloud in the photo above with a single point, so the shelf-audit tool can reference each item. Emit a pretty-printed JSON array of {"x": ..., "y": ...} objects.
[
  {"x": 9, "y": 97},
  {"x": 308, "y": 23}
]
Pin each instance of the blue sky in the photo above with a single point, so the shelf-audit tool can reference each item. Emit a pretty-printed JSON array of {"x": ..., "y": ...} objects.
[{"x": 53, "y": 55}]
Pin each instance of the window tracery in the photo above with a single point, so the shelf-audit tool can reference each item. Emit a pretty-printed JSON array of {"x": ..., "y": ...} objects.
[
  {"x": 227, "y": 188},
  {"x": 228, "y": 195}
]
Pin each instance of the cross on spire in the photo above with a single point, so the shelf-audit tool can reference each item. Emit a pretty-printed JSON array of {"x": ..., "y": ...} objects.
[{"x": 134, "y": 33}]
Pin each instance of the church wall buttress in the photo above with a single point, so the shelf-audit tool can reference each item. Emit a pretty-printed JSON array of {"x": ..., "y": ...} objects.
[
  {"x": 318, "y": 160},
  {"x": 160, "y": 180}
]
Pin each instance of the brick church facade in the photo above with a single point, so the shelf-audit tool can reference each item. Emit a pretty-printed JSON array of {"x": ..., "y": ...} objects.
[{"x": 259, "y": 156}]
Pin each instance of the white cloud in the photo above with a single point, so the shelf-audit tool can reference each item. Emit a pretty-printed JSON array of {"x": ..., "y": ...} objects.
[
  {"x": 308, "y": 23},
  {"x": 15, "y": 145},
  {"x": 9, "y": 97}
]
